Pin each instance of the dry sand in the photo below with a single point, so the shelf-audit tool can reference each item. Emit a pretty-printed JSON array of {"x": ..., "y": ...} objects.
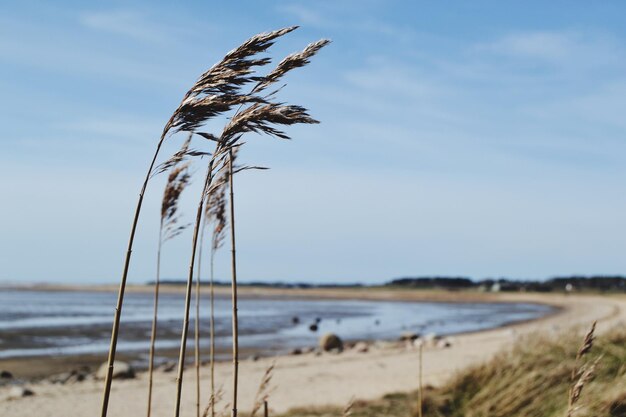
[{"x": 330, "y": 378}]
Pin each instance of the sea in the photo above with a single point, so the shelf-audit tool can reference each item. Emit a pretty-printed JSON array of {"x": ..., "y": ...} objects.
[{"x": 53, "y": 323}]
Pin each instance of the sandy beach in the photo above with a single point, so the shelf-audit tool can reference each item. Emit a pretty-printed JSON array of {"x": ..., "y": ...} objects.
[{"x": 329, "y": 379}]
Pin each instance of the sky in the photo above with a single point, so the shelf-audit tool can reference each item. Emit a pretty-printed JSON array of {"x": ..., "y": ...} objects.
[{"x": 480, "y": 139}]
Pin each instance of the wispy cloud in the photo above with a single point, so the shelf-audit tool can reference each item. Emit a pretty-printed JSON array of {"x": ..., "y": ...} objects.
[
  {"x": 127, "y": 23},
  {"x": 557, "y": 47}
]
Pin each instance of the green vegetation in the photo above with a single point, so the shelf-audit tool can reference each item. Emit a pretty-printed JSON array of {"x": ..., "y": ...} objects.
[{"x": 533, "y": 379}]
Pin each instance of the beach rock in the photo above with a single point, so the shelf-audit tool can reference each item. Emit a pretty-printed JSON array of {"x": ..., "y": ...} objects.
[
  {"x": 295, "y": 320},
  {"x": 330, "y": 341},
  {"x": 19, "y": 392},
  {"x": 168, "y": 366},
  {"x": 313, "y": 327},
  {"x": 121, "y": 370},
  {"x": 76, "y": 377},
  {"x": 254, "y": 357},
  {"x": 72, "y": 377},
  {"x": 6, "y": 375},
  {"x": 443, "y": 344},
  {"x": 361, "y": 347},
  {"x": 409, "y": 336},
  {"x": 296, "y": 351},
  {"x": 308, "y": 349}
]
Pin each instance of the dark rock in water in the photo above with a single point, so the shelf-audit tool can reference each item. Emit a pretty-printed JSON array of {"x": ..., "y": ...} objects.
[
  {"x": 313, "y": 327},
  {"x": 6, "y": 375},
  {"x": 331, "y": 341},
  {"x": 121, "y": 370},
  {"x": 19, "y": 392},
  {"x": 295, "y": 320},
  {"x": 338, "y": 321},
  {"x": 377, "y": 322},
  {"x": 409, "y": 336},
  {"x": 296, "y": 351},
  {"x": 318, "y": 320}
]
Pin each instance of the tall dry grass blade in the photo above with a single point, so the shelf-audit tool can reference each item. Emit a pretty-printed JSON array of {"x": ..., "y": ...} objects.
[
  {"x": 177, "y": 181},
  {"x": 263, "y": 391},
  {"x": 581, "y": 374},
  {"x": 215, "y": 399},
  {"x": 347, "y": 411},
  {"x": 233, "y": 266},
  {"x": 587, "y": 342},
  {"x": 197, "y": 325},
  {"x": 266, "y": 412},
  {"x": 216, "y": 212},
  {"x": 420, "y": 392}
]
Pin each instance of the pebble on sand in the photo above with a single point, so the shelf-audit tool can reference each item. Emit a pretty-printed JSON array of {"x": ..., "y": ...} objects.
[
  {"x": 361, "y": 347},
  {"x": 19, "y": 392},
  {"x": 331, "y": 341},
  {"x": 121, "y": 370}
]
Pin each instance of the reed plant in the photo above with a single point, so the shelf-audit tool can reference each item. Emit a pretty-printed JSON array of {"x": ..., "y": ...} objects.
[
  {"x": 258, "y": 115},
  {"x": 217, "y": 91},
  {"x": 169, "y": 227},
  {"x": 215, "y": 216}
]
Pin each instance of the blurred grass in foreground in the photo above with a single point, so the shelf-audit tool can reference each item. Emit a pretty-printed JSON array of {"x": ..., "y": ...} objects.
[{"x": 533, "y": 379}]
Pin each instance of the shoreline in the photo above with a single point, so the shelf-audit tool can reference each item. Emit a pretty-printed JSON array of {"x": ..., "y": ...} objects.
[
  {"x": 332, "y": 379},
  {"x": 33, "y": 369}
]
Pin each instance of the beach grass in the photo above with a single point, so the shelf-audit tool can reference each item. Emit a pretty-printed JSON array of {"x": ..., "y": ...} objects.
[{"x": 532, "y": 379}]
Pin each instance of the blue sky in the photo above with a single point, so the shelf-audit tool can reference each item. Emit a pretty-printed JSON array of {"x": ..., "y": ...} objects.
[{"x": 479, "y": 138}]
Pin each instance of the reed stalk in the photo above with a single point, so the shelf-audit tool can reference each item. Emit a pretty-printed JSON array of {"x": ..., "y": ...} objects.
[
  {"x": 420, "y": 392},
  {"x": 197, "y": 325},
  {"x": 177, "y": 181},
  {"x": 122, "y": 288},
  {"x": 154, "y": 320},
  {"x": 216, "y": 212},
  {"x": 212, "y": 332},
  {"x": 233, "y": 266}
]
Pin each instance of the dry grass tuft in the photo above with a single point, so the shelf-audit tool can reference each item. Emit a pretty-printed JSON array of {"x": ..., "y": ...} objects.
[
  {"x": 264, "y": 391},
  {"x": 582, "y": 373}
]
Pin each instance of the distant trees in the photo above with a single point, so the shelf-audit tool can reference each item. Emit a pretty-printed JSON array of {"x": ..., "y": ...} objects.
[{"x": 596, "y": 283}]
